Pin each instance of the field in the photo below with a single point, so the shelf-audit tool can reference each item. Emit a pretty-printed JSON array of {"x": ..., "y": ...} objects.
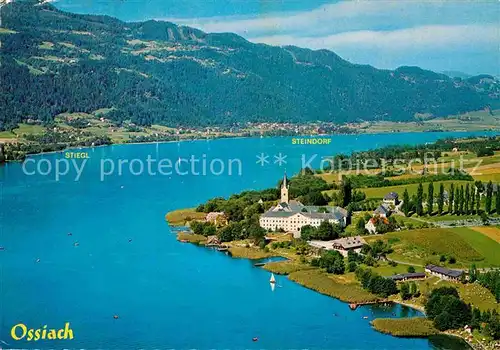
[
  {"x": 344, "y": 287},
  {"x": 380, "y": 192},
  {"x": 424, "y": 246},
  {"x": 474, "y": 294},
  {"x": 182, "y": 216},
  {"x": 29, "y": 129},
  {"x": 405, "y": 327},
  {"x": 478, "y": 120},
  {"x": 384, "y": 269},
  {"x": 491, "y": 231},
  {"x": 483, "y": 244}
]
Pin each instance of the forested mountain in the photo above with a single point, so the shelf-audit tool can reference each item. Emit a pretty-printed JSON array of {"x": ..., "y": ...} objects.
[{"x": 157, "y": 72}]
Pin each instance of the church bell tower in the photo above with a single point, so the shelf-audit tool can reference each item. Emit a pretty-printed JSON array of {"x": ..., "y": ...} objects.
[{"x": 284, "y": 190}]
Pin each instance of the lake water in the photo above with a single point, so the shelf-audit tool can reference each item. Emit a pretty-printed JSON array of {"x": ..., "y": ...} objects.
[{"x": 166, "y": 294}]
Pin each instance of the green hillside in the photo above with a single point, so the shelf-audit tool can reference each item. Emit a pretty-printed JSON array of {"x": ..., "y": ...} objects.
[{"x": 154, "y": 72}]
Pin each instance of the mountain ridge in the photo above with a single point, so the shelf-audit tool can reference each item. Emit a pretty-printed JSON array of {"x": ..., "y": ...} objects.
[{"x": 159, "y": 72}]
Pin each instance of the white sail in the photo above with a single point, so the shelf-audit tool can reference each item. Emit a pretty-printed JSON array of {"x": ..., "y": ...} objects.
[{"x": 272, "y": 280}]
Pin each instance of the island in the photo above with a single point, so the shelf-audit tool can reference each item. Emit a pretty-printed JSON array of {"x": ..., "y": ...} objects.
[{"x": 412, "y": 234}]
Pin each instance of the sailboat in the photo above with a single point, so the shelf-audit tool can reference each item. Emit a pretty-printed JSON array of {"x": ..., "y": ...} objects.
[{"x": 272, "y": 280}]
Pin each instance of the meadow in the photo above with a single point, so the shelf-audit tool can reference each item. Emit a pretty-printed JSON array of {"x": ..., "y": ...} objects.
[
  {"x": 342, "y": 287},
  {"x": 422, "y": 246},
  {"x": 405, "y": 327},
  {"x": 182, "y": 216}
]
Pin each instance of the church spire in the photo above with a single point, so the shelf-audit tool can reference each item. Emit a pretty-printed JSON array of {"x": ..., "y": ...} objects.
[{"x": 284, "y": 190}]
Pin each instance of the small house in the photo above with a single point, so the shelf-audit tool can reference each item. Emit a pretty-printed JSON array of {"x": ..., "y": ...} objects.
[
  {"x": 383, "y": 210},
  {"x": 402, "y": 277},
  {"x": 444, "y": 273},
  {"x": 391, "y": 198},
  {"x": 371, "y": 225},
  {"x": 218, "y": 218}
]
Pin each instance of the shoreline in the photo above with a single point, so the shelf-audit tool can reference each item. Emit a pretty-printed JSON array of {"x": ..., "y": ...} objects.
[
  {"x": 474, "y": 346},
  {"x": 497, "y": 132}
]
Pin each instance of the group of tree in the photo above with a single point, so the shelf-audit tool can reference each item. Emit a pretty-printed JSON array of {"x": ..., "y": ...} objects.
[
  {"x": 489, "y": 279},
  {"x": 354, "y": 260},
  {"x": 392, "y": 155},
  {"x": 332, "y": 261},
  {"x": 461, "y": 200},
  {"x": 409, "y": 290},
  {"x": 376, "y": 284},
  {"x": 378, "y": 249},
  {"x": 324, "y": 232},
  {"x": 448, "y": 311}
]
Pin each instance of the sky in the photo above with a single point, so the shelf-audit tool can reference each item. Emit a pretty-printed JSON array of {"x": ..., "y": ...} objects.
[{"x": 437, "y": 35}]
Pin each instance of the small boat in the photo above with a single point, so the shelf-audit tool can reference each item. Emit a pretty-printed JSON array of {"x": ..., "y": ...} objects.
[
  {"x": 130, "y": 240},
  {"x": 115, "y": 317},
  {"x": 353, "y": 306},
  {"x": 70, "y": 234},
  {"x": 272, "y": 279},
  {"x": 38, "y": 260},
  {"x": 255, "y": 339},
  {"x": 365, "y": 317},
  {"x": 76, "y": 244},
  {"x": 2, "y": 248}
]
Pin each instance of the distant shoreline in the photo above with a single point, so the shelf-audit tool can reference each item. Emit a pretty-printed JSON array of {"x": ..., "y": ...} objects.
[{"x": 246, "y": 137}]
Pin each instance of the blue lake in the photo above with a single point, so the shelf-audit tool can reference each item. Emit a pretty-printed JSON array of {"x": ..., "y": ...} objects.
[{"x": 167, "y": 294}]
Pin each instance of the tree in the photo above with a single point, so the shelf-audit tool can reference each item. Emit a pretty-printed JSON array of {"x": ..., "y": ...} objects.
[
  {"x": 451, "y": 198},
  {"x": 351, "y": 266},
  {"x": 478, "y": 201},
  {"x": 404, "y": 291},
  {"x": 461, "y": 200},
  {"x": 472, "y": 200},
  {"x": 420, "y": 198},
  {"x": 325, "y": 231},
  {"x": 489, "y": 195},
  {"x": 332, "y": 261},
  {"x": 440, "y": 201},
  {"x": 406, "y": 207},
  {"x": 346, "y": 191},
  {"x": 497, "y": 200},
  {"x": 411, "y": 269},
  {"x": 360, "y": 226},
  {"x": 473, "y": 273},
  {"x": 466, "y": 199},
  {"x": 430, "y": 198},
  {"x": 456, "y": 202}
]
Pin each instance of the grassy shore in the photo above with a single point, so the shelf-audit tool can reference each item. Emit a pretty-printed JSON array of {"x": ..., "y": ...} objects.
[
  {"x": 191, "y": 238},
  {"x": 182, "y": 216},
  {"x": 286, "y": 267},
  {"x": 414, "y": 327},
  {"x": 343, "y": 288},
  {"x": 249, "y": 253}
]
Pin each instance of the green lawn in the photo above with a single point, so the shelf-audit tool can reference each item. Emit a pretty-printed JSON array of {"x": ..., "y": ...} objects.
[
  {"x": 380, "y": 192},
  {"x": 33, "y": 129},
  {"x": 487, "y": 247},
  {"x": 7, "y": 135},
  {"x": 424, "y": 246},
  {"x": 386, "y": 270},
  {"x": 435, "y": 218}
]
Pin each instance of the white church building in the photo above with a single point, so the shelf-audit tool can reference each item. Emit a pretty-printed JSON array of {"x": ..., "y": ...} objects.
[{"x": 291, "y": 215}]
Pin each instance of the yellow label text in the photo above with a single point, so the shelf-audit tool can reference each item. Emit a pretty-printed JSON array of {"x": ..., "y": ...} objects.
[{"x": 20, "y": 331}]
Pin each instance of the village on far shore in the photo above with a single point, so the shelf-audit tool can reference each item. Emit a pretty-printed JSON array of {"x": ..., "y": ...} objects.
[{"x": 374, "y": 238}]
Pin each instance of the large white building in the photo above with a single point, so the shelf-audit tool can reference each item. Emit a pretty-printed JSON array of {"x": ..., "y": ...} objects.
[{"x": 291, "y": 215}]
